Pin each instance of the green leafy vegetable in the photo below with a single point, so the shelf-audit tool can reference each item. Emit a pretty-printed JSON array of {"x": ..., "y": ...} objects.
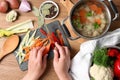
[
  {"x": 89, "y": 14},
  {"x": 36, "y": 12},
  {"x": 96, "y": 25},
  {"x": 45, "y": 9},
  {"x": 101, "y": 58}
]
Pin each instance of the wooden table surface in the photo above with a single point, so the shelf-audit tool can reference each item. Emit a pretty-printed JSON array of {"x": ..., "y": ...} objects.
[{"x": 9, "y": 69}]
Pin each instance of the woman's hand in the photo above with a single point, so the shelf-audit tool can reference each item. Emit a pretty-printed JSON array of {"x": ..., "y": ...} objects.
[
  {"x": 62, "y": 62},
  {"x": 37, "y": 64}
]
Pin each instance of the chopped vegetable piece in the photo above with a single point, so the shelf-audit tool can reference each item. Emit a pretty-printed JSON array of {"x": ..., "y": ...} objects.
[
  {"x": 99, "y": 11},
  {"x": 55, "y": 38},
  {"x": 77, "y": 23},
  {"x": 5, "y": 33},
  {"x": 11, "y": 16},
  {"x": 60, "y": 37},
  {"x": 83, "y": 18},
  {"x": 89, "y": 14},
  {"x": 98, "y": 21},
  {"x": 43, "y": 32},
  {"x": 96, "y": 25},
  {"x": 93, "y": 7}
]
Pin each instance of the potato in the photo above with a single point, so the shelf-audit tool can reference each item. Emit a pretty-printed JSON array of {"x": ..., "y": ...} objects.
[
  {"x": 3, "y": 6},
  {"x": 14, "y": 4}
]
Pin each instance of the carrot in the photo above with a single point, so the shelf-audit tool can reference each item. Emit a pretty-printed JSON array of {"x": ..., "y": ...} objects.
[
  {"x": 47, "y": 49},
  {"x": 82, "y": 14},
  {"x": 99, "y": 10},
  {"x": 26, "y": 56},
  {"x": 98, "y": 21},
  {"x": 27, "y": 49},
  {"x": 93, "y": 7}
]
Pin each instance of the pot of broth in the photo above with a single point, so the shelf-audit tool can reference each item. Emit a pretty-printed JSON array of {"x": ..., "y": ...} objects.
[{"x": 90, "y": 19}]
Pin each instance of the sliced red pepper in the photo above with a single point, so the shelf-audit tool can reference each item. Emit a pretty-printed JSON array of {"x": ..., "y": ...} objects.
[
  {"x": 55, "y": 38},
  {"x": 59, "y": 34},
  {"x": 43, "y": 32}
]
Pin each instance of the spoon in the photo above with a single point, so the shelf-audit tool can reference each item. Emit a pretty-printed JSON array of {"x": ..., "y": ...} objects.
[{"x": 10, "y": 44}]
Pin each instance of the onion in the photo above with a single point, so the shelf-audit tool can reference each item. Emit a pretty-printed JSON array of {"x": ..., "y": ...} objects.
[
  {"x": 3, "y": 6},
  {"x": 24, "y": 6}
]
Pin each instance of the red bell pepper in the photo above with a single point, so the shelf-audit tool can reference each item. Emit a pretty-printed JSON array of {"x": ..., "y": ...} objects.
[
  {"x": 55, "y": 38},
  {"x": 112, "y": 52},
  {"x": 117, "y": 68},
  {"x": 59, "y": 34},
  {"x": 43, "y": 32}
]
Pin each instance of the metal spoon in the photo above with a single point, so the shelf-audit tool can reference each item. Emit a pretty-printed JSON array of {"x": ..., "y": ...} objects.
[{"x": 10, "y": 44}]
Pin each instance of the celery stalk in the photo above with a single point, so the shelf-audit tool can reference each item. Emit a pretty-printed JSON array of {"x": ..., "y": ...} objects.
[
  {"x": 31, "y": 38},
  {"x": 25, "y": 24}
]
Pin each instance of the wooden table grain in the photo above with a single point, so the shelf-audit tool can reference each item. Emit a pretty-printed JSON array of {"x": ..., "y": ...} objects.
[{"x": 9, "y": 69}]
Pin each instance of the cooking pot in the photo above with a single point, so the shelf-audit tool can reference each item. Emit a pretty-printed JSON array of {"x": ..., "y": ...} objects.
[{"x": 107, "y": 15}]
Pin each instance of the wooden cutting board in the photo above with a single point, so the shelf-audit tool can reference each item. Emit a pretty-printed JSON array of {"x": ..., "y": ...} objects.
[{"x": 53, "y": 26}]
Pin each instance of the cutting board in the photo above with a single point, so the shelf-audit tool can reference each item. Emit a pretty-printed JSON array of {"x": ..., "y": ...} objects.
[{"x": 53, "y": 26}]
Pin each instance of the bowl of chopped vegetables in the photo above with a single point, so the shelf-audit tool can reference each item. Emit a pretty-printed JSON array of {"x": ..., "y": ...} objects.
[
  {"x": 89, "y": 19},
  {"x": 105, "y": 63},
  {"x": 49, "y": 9}
]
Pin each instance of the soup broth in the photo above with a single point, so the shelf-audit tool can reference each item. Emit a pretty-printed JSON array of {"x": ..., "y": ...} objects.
[{"x": 89, "y": 19}]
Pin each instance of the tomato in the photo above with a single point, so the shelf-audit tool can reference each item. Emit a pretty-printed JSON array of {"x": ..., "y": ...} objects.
[{"x": 117, "y": 68}]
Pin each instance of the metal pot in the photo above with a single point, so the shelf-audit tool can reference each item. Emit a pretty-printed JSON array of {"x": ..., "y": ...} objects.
[{"x": 107, "y": 14}]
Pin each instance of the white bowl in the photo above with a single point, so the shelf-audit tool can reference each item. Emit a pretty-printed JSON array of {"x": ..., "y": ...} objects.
[{"x": 49, "y": 1}]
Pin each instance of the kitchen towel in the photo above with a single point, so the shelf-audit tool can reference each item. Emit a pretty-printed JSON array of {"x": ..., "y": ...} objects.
[{"x": 81, "y": 62}]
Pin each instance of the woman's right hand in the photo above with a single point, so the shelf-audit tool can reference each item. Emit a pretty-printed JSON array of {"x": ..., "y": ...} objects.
[{"x": 62, "y": 62}]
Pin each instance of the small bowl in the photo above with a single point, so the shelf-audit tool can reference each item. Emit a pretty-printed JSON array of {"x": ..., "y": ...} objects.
[{"x": 49, "y": 2}]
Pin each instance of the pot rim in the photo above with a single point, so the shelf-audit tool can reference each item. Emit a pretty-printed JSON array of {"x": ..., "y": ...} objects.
[{"x": 108, "y": 24}]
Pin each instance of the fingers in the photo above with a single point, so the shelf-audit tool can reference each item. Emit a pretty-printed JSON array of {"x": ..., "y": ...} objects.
[
  {"x": 33, "y": 53},
  {"x": 67, "y": 51},
  {"x": 40, "y": 54},
  {"x": 45, "y": 60},
  {"x": 61, "y": 50},
  {"x": 56, "y": 56}
]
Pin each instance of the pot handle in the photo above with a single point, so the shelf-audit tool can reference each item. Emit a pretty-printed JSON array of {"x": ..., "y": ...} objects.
[
  {"x": 115, "y": 10},
  {"x": 66, "y": 31}
]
